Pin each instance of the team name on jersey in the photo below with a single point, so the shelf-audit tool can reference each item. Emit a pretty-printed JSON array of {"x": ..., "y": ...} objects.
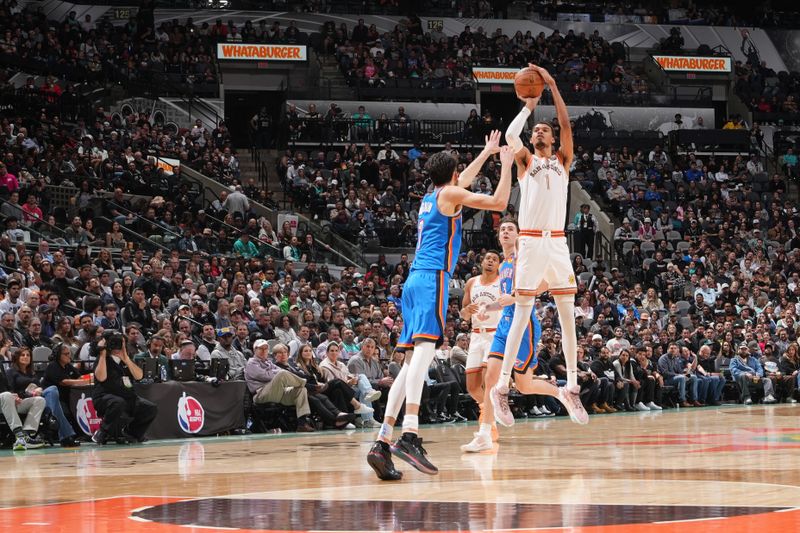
[
  {"x": 546, "y": 165},
  {"x": 484, "y": 294},
  {"x": 425, "y": 207}
]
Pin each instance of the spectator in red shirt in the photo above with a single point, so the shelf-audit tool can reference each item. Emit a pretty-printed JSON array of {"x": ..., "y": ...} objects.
[
  {"x": 8, "y": 181},
  {"x": 31, "y": 210}
]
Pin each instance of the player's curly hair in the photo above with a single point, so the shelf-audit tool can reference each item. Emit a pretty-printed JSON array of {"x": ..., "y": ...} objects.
[{"x": 440, "y": 167}]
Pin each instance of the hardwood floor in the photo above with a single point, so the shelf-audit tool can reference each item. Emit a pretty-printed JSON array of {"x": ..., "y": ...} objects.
[{"x": 733, "y": 468}]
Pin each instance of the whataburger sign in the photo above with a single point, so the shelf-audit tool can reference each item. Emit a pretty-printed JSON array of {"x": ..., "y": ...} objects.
[
  {"x": 694, "y": 64},
  {"x": 262, "y": 52},
  {"x": 494, "y": 75}
]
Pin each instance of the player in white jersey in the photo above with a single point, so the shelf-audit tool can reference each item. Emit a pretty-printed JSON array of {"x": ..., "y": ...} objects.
[
  {"x": 480, "y": 292},
  {"x": 542, "y": 251}
]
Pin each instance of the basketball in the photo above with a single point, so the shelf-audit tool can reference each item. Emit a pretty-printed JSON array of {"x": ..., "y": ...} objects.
[{"x": 528, "y": 83}]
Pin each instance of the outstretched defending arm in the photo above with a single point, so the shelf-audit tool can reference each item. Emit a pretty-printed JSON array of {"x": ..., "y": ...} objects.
[
  {"x": 451, "y": 197},
  {"x": 467, "y": 175}
]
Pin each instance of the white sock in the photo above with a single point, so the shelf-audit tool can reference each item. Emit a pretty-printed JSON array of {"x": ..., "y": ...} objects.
[
  {"x": 411, "y": 424},
  {"x": 385, "y": 433},
  {"x": 486, "y": 430}
]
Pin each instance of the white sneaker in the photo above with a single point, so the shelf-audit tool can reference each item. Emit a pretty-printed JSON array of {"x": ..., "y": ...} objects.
[
  {"x": 535, "y": 411},
  {"x": 364, "y": 410},
  {"x": 480, "y": 443},
  {"x": 572, "y": 401},
  {"x": 792, "y": 400},
  {"x": 502, "y": 412},
  {"x": 654, "y": 407},
  {"x": 545, "y": 411},
  {"x": 770, "y": 399},
  {"x": 641, "y": 407},
  {"x": 372, "y": 396},
  {"x": 350, "y": 426},
  {"x": 371, "y": 423},
  {"x": 748, "y": 402}
]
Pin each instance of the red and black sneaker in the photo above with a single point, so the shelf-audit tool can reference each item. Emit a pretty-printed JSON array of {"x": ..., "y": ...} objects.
[
  {"x": 379, "y": 459},
  {"x": 409, "y": 449}
]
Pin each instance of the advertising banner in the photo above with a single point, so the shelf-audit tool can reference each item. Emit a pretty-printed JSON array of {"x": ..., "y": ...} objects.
[
  {"x": 262, "y": 52},
  {"x": 694, "y": 64}
]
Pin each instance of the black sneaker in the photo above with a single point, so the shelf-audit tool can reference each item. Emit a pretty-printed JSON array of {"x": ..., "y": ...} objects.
[
  {"x": 379, "y": 459},
  {"x": 409, "y": 449},
  {"x": 70, "y": 442},
  {"x": 100, "y": 437},
  {"x": 123, "y": 440}
]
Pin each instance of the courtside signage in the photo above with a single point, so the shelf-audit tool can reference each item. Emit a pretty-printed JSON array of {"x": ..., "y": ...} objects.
[
  {"x": 262, "y": 52},
  {"x": 494, "y": 75},
  {"x": 694, "y": 64}
]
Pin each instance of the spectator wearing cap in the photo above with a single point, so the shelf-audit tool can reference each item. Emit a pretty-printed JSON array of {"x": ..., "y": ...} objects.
[
  {"x": 746, "y": 370},
  {"x": 268, "y": 383},
  {"x": 225, "y": 350},
  {"x": 647, "y": 232}
]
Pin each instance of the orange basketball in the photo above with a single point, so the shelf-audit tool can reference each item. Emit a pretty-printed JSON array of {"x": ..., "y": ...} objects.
[{"x": 528, "y": 83}]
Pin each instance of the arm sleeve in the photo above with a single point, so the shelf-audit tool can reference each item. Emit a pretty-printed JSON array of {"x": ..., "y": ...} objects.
[{"x": 515, "y": 129}]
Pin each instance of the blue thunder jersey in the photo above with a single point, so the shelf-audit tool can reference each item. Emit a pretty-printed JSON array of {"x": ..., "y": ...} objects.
[
  {"x": 438, "y": 237},
  {"x": 507, "y": 282}
]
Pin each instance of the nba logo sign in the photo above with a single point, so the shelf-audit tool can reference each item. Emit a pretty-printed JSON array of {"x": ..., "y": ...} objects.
[
  {"x": 191, "y": 415},
  {"x": 87, "y": 416}
]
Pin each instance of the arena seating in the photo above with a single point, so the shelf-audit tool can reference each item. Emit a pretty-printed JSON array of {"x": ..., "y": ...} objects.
[{"x": 700, "y": 212}]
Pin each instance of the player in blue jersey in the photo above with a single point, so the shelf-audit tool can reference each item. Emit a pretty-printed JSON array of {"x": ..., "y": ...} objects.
[
  {"x": 526, "y": 360},
  {"x": 425, "y": 296}
]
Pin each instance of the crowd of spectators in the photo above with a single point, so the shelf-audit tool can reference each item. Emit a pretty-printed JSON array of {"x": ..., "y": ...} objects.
[
  {"x": 369, "y": 192},
  {"x": 98, "y": 52},
  {"x": 585, "y": 63},
  {"x": 706, "y": 288}
]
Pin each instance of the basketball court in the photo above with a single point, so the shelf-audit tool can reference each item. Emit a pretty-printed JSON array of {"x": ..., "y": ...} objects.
[{"x": 724, "y": 469}]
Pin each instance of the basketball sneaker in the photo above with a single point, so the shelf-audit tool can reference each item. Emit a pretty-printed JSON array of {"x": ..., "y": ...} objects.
[
  {"x": 379, "y": 459},
  {"x": 480, "y": 443},
  {"x": 502, "y": 411},
  {"x": 571, "y": 398},
  {"x": 409, "y": 449}
]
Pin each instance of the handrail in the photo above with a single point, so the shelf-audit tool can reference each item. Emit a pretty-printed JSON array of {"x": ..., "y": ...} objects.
[
  {"x": 138, "y": 216},
  {"x": 139, "y": 236},
  {"x": 41, "y": 220},
  {"x": 237, "y": 231},
  {"x": 357, "y": 258}
]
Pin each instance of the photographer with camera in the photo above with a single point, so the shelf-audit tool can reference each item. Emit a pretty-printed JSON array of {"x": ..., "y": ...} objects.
[{"x": 113, "y": 395}]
